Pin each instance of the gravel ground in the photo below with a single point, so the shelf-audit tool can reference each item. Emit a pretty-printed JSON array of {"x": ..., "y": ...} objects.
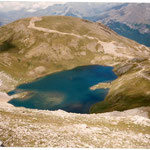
[{"x": 21, "y": 127}]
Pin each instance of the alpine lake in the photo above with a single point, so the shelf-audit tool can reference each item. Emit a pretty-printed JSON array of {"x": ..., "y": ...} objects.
[{"x": 67, "y": 90}]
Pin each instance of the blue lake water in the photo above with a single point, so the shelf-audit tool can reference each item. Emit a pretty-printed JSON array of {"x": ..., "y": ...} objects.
[{"x": 67, "y": 90}]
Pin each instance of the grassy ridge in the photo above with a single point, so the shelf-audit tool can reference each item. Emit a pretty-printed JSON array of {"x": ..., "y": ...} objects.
[{"x": 131, "y": 93}]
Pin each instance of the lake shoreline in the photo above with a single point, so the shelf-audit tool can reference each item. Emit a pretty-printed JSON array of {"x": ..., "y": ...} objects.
[{"x": 76, "y": 81}]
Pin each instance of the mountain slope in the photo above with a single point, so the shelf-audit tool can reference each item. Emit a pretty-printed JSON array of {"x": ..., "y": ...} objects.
[
  {"x": 129, "y": 20},
  {"x": 133, "y": 13},
  {"x": 38, "y": 46}
]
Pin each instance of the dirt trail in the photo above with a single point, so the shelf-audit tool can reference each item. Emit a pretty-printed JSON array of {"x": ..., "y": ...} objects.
[
  {"x": 109, "y": 47},
  {"x": 32, "y": 25},
  {"x": 35, "y": 19}
]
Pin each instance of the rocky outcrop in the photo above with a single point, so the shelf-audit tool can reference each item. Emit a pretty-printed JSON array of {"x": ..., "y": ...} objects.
[
  {"x": 137, "y": 59},
  {"x": 123, "y": 69},
  {"x": 101, "y": 86},
  {"x": 1, "y": 144}
]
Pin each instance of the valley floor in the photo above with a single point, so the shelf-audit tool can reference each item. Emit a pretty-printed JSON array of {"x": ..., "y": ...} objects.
[{"x": 20, "y": 127}]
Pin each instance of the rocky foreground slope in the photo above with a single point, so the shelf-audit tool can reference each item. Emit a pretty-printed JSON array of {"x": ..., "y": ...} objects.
[
  {"x": 37, "y": 128},
  {"x": 34, "y": 47}
]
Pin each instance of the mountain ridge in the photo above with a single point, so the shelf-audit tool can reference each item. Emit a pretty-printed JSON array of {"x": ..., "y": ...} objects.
[{"x": 127, "y": 19}]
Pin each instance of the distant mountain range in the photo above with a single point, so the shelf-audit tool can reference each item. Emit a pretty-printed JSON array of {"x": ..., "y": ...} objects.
[
  {"x": 82, "y": 10},
  {"x": 130, "y": 20}
]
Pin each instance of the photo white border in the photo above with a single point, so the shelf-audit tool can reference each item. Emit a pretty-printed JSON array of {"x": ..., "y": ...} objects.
[{"x": 107, "y": 1}]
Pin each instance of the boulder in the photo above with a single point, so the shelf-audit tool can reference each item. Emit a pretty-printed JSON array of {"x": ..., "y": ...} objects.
[
  {"x": 1, "y": 144},
  {"x": 137, "y": 59},
  {"x": 123, "y": 69}
]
